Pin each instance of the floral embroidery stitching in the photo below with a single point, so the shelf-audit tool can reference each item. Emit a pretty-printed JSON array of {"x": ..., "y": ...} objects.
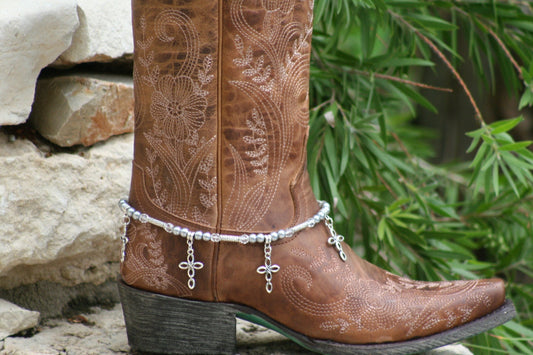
[
  {"x": 178, "y": 147},
  {"x": 146, "y": 261},
  {"x": 273, "y": 58}
]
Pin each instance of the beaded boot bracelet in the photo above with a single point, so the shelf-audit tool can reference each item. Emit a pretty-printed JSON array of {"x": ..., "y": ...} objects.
[{"x": 267, "y": 269}]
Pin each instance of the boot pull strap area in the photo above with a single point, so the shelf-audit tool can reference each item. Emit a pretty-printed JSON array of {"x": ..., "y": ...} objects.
[{"x": 266, "y": 269}]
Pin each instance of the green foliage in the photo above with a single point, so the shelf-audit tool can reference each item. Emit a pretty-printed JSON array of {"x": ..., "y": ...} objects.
[{"x": 463, "y": 220}]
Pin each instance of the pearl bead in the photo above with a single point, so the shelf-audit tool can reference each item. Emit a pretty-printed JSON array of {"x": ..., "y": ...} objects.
[
  {"x": 260, "y": 238},
  {"x": 130, "y": 211},
  {"x": 176, "y": 230},
  {"x": 253, "y": 238},
  {"x": 281, "y": 234},
  {"x": 184, "y": 232},
  {"x": 206, "y": 236},
  {"x": 198, "y": 235},
  {"x": 136, "y": 215},
  {"x": 274, "y": 236}
]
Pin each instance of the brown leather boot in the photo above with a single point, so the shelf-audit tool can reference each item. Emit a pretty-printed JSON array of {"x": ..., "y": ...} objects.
[{"x": 223, "y": 219}]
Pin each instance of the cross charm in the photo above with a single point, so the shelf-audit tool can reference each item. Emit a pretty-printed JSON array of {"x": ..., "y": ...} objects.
[
  {"x": 336, "y": 240},
  {"x": 190, "y": 265},
  {"x": 268, "y": 269}
]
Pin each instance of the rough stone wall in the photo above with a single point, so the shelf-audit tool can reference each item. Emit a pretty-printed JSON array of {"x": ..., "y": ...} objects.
[{"x": 65, "y": 150}]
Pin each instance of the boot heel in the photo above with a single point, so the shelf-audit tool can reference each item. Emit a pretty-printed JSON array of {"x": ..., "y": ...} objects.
[{"x": 168, "y": 325}]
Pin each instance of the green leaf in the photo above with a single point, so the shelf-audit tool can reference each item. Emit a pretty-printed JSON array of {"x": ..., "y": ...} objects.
[
  {"x": 442, "y": 209},
  {"x": 382, "y": 229},
  {"x": 442, "y": 235},
  {"x": 474, "y": 143},
  {"x": 331, "y": 152},
  {"x": 431, "y": 22},
  {"x": 495, "y": 180},
  {"x": 515, "y": 146},
  {"x": 527, "y": 98},
  {"x": 519, "y": 329},
  {"x": 505, "y": 125},
  {"x": 405, "y": 62},
  {"x": 510, "y": 179}
]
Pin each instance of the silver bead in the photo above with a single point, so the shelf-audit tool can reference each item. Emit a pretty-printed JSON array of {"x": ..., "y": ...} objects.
[
  {"x": 130, "y": 211},
  {"x": 176, "y": 230},
  {"x": 281, "y": 234},
  {"x": 184, "y": 232},
  {"x": 136, "y": 215},
  {"x": 206, "y": 236},
  {"x": 168, "y": 227},
  {"x": 310, "y": 223},
  {"x": 198, "y": 235},
  {"x": 253, "y": 238},
  {"x": 260, "y": 238},
  {"x": 274, "y": 236},
  {"x": 143, "y": 218}
]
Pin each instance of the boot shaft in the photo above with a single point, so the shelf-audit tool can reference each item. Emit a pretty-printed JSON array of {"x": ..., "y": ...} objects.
[{"x": 221, "y": 92}]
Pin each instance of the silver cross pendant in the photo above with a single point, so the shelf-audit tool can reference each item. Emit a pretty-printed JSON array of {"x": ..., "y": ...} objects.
[
  {"x": 268, "y": 269},
  {"x": 190, "y": 265},
  {"x": 335, "y": 239}
]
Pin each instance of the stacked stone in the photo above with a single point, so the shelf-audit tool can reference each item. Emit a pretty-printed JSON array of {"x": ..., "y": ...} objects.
[{"x": 58, "y": 205}]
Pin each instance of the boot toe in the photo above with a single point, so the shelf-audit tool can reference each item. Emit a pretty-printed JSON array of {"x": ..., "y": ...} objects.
[
  {"x": 462, "y": 302},
  {"x": 484, "y": 297}
]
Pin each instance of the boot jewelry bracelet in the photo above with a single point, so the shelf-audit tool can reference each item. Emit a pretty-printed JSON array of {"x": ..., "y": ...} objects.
[{"x": 266, "y": 269}]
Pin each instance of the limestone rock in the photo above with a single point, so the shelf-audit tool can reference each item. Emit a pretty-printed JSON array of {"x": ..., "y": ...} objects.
[
  {"x": 105, "y": 32},
  {"x": 33, "y": 33},
  {"x": 58, "y": 212},
  {"x": 454, "y": 349},
  {"x": 101, "y": 332},
  {"x": 83, "y": 109},
  {"x": 53, "y": 300},
  {"x": 250, "y": 334},
  {"x": 14, "y": 319}
]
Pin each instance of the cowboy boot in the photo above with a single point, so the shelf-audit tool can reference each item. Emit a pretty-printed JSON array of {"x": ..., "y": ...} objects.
[{"x": 221, "y": 220}]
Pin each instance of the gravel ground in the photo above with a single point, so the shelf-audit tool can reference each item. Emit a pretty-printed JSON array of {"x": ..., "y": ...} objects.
[{"x": 102, "y": 332}]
